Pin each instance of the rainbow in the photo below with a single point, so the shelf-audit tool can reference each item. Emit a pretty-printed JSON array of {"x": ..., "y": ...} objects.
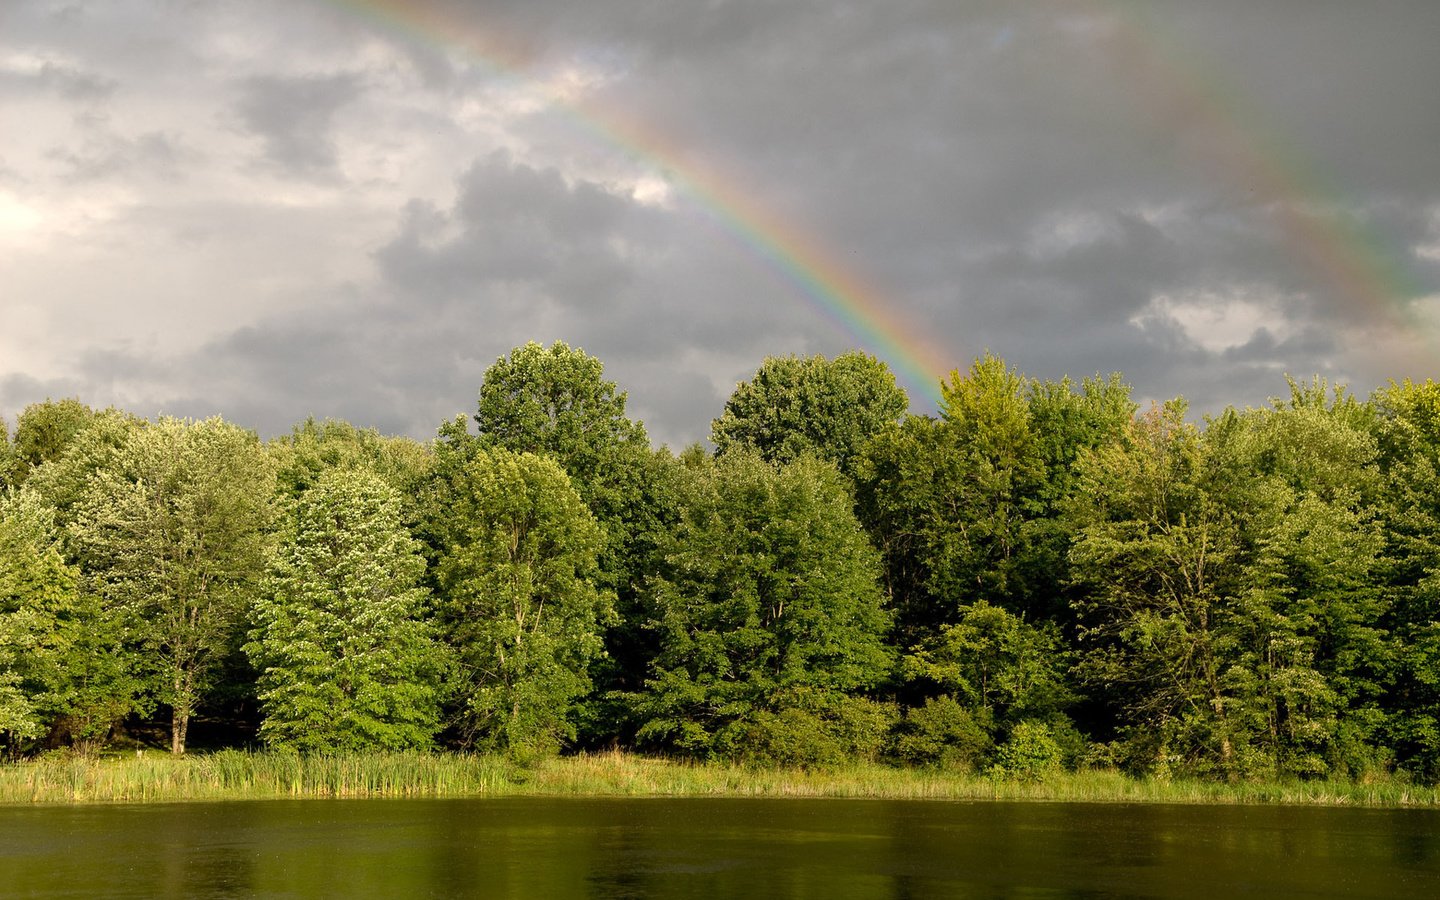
[
  {"x": 835, "y": 289},
  {"x": 1185, "y": 94},
  {"x": 1181, "y": 92}
]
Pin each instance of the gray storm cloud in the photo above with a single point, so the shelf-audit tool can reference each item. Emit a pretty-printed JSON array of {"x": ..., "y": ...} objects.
[{"x": 273, "y": 210}]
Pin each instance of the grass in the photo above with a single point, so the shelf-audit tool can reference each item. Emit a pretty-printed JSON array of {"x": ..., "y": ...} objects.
[{"x": 242, "y": 775}]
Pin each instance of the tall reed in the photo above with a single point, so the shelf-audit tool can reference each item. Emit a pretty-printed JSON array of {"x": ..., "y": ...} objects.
[{"x": 243, "y": 775}]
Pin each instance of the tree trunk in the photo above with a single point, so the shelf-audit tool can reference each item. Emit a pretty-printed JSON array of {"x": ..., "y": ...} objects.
[{"x": 180, "y": 713}]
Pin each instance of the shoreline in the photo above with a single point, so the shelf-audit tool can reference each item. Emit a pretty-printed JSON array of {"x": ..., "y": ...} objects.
[{"x": 262, "y": 775}]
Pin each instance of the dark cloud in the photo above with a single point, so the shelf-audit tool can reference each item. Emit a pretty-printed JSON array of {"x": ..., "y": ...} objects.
[
  {"x": 1204, "y": 196},
  {"x": 293, "y": 117}
]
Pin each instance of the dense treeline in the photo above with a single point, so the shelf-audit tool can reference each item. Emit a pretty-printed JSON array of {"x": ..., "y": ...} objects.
[{"x": 1043, "y": 576}]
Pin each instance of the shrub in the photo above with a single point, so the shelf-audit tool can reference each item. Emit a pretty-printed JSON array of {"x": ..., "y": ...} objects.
[
  {"x": 1031, "y": 752},
  {"x": 942, "y": 733}
]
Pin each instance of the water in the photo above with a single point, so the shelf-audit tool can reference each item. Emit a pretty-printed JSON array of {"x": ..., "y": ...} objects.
[{"x": 604, "y": 848}]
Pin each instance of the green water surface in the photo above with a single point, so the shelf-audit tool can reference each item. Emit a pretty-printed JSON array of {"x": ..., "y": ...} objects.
[{"x": 827, "y": 849}]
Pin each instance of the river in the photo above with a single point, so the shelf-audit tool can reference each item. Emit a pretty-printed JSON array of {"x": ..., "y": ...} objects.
[{"x": 612, "y": 848}]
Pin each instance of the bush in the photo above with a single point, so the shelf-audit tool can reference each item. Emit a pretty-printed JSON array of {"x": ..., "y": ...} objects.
[
  {"x": 1031, "y": 753},
  {"x": 942, "y": 733},
  {"x": 811, "y": 729}
]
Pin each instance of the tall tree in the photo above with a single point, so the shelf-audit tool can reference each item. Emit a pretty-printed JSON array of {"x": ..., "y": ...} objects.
[
  {"x": 347, "y": 657},
  {"x": 516, "y": 571},
  {"x": 176, "y": 530},
  {"x": 811, "y": 405},
  {"x": 555, "y": 401},
  {"x": 1316, "y": 638},
  {"x": 64, "y": 667},
  {"x": 769, "y": 618},
  {"x": 43, "y": 432},
  {"x": 1154, "y": 552},
  {"x": 313, "y": 448},
  {"x": 38, "y": 604},
  {"x": 7, "y": 455},
  {"x": 1409, "y": 447}
]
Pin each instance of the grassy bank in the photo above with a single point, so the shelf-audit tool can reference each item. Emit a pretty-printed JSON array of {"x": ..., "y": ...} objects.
[{"x": 238, "y": 775}]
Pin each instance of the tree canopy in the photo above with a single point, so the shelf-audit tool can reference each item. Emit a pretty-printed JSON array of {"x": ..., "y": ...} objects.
[
  {"x": 1040, "y": 575},
  {"x": 810, "y": 405}
]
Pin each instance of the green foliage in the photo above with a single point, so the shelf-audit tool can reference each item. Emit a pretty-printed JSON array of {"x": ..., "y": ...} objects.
[
  {"x": 518, "y": 600},
  {"x": 38, "y": 605},
  {"x": 346, "y": 658},
  {"x": 810, "y": 405},
  {"x": 807, "y": 728},
  {"x": 556, "y": 402},
  {"x": 996, "y": 663},
  {"x": 769, "y": 594},
  {"x": 63, "y": 668},
  {"x": 944, "y": 733},
  {"x": 176, "y": 529},
  {"x": 314, "y": 448},
  {"x": 969, "y": 507},
  {"x": 1152, "y": 552},
  {"x": 1232, "y": 592},
  {"x": 7, "y": 455},
  {"x": 1251, "y": 597},
  {"x": 43, "y": 433},
  {"x": 1032, "y": 752},
  {"x": 63, "y": 480}
]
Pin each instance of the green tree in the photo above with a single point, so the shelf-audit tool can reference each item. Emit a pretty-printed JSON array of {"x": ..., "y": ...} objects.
[
  {"x": 769, "y": 618},
  {"x": 1409, "y": 462},
  {"x": 176, "y": 530},
  {"x": 38, "y": 604},
  {"x": 7, "y": 455},
  {"x": 43, "y": 433},
  {"x": 984, "y": 676},
  {"x": 982, "y": 554},
  {"x": 314, "y": 448},
  {"x": 969, "y": 507},
  {"x": 811, "y": 405},
  {"x": 1152, "y": 554},
  {"x": 1066, "y": 421},
  {"x": 997, "y": 663},
  {"x": 62, "y": 480},
  {"x": 516, "y": 571},
  {"x": 555, "y": 401},
  {"x": 1316, "y": 654},
  {"x": 63, "y": 667},
  {"x": 347, "y": 659}
]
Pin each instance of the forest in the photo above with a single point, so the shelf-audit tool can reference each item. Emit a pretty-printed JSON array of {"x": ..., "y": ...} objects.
[{"x": 1044, "y": 576}]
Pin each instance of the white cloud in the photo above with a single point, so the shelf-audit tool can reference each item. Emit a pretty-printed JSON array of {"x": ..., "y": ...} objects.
[{"x": 1219, "y": 321}]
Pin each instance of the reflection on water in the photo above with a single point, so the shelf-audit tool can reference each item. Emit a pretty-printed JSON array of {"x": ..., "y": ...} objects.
[{"x": 830, "y": 849}]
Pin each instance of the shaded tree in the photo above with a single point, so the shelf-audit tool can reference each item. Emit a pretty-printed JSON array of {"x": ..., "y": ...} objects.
[
  {"x": 38, "y": 606},
  {"x": 1408, "y": 431},
  {"x": 1153, "y": 549},
  {"x": 64, "y": 668}
]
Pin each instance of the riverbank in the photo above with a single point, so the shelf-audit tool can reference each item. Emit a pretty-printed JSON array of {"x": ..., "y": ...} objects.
[{"x": 241, "y": 775}]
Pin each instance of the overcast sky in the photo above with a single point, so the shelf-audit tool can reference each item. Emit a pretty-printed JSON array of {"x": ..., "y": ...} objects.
[{"x": 268, "y": 210}]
